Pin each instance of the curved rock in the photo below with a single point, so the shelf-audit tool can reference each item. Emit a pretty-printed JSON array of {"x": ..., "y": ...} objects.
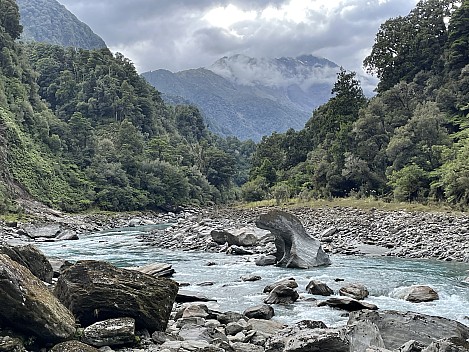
[
  {"x": 95, "y": 291},
  {"x": 347, "y": 303},
  {"x": 295, "y": 248},
  {"x": 27, "y": 305}
]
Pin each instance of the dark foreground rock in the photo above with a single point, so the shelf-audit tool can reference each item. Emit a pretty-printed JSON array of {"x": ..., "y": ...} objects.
[
  {"x": 28, "y": 306},
  {"x": 30, "y": 257},
  {"x": 295, "y": 248},
  {"x": 397, "y": 328},
  {"x": 96, "y": 291}
]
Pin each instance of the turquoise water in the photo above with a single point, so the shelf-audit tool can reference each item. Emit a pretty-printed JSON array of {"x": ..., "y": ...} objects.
[{"x": 381, "y": 275}]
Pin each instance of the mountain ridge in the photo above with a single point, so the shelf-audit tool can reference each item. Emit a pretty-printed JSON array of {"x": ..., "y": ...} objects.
[
  {"x": 251, "y": 97},
  {"x": 48, "y": 21}
]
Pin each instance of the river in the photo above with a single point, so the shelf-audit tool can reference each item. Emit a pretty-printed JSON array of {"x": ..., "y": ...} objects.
[{"x": 383, "y": 276}]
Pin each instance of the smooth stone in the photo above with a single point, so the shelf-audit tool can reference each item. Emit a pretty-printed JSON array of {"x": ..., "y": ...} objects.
[
  {"x": 355, "y": 290},
  {"x": 319, "y": 288},
  {"x": 111, "y": 332},
  {"x": 263, "y": 311},
  {"x": 347, "y": 303}
]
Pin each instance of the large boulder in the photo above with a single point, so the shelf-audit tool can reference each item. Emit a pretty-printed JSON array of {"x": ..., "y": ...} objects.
[
  {"x": 111, "y": 332},
  {"x": 30, "y": 257},
  {"x": 397, "y": 328},
  {"x": 28, "y": 306},
  {"x": 95, "y": 291},
  {"x": 263, "y": 311},
  {"x": 295, "y": 248},
  {"x": 282, "y": 294}
]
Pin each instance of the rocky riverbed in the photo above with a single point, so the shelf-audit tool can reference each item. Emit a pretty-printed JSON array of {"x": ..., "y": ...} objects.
[
  {"x": 197, "y": 327},
  {"x": 342, "y": 230}
]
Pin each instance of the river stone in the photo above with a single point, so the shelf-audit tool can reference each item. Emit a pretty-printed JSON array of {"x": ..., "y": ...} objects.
[
  {"x": 319, "y": 288},
  {"x": 305, "y": 340},
  {"x": 111, "y": 332},
  {"x": 263, "y": 311},
  {"x": 30, "y": 257},
  {"x": 362, "y": 335},
  {"x": 246, "y": 347},
  {"x": 295, "y": 248},
  {"x": 27, "y": 305},
  {"x": 245, "y": 236},
  {"x": 265, "y": 260},
  {"x": 155, "y": 269},
  {"x": 73, "y": 346},
  {"x": 347, "y": 303},
  {"x": 95, "y": 291},
  {"x": 448, "y": 345},
  {"x": 282, "y": 294},
  {"x": 417, "y": 293},
  {"x": 268, "y": 327},
  {"x": 396, "y": 328},
  {"x": 230, "y": 317},
  {"x": 11, "y": 344},
  {"x": 356, "y": 291},
  {"x": 289, "y": 282}
]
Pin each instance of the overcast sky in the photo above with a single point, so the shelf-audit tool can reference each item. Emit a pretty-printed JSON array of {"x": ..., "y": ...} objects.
[{"x": 182, "y": 34}]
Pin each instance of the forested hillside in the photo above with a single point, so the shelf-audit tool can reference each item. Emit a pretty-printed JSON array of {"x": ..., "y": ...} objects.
[
  {"x": 48, "y": 21},
  {"x": 410, "y": 142},
  {"x": 81, "y": 129}
]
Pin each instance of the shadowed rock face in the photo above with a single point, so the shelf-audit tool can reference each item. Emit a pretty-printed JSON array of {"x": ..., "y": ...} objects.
[{"x": 295, "y": 248}]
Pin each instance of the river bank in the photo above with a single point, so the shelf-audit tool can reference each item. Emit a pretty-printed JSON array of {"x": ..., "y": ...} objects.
[{"x": 351, "y": 231}]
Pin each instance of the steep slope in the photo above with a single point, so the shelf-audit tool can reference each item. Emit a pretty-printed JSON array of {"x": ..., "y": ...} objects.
[
  {"x": 48, "y": 21},
  {"x": 250, "y": 98}
]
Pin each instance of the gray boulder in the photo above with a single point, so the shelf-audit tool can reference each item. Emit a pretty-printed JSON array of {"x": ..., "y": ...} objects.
[
  {"x": 28, "y": 306},
  {"x": 355, "y": 290},
  {"x": 96, "y": 291},
  {"x": 73, "y": 346},
  {"x": 417, "y": 293},
  {"x": 282, "y": 294},
  {"x": 318, "y": 288},
  {"x": 347, "y": 303},
  {"x": 305, "y": 339},
  {"x": 289, "y": 282},
  {"x": 111, "y": 332},
  {"x": 397, "y": 328},
  {"x": 263, "y": 311},
  {"x": 30, "y": 257},
  {"x": 245, "y": 236},
  {"x": 265, "y": 260},
  {"x": 295, "y": 248}
]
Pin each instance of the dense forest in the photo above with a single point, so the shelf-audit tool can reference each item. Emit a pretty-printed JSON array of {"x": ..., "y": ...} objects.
[
  {"x": 80, "y": 129},
  {"x": 409, "y": 143}
]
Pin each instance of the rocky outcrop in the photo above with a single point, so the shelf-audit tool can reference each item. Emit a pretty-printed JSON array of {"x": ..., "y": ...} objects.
[
  {"x": 282, "y": 294},
  {"x": 96, "y": 291},
  {"x": 295, "y": 248},
  {"x": 30, "y": 257},
  {"x": 28, "y": 306},
  {"x": 397, "y": 328}
]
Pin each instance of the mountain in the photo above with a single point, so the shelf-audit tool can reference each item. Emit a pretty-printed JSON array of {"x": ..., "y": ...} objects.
[
  {"x": 251, "y": 97},
  {"x": 48, "y": 21}
]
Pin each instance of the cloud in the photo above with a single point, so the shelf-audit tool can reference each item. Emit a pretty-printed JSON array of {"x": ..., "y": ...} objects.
[{"x": 178, "y": 35}]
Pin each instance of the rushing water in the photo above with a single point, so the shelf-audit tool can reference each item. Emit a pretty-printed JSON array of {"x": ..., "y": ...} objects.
[{"x": 383, "y": 276}]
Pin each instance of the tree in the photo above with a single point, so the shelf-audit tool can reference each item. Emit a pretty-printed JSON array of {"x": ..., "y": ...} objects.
[
  {"x": 10, "y": 19},
  {"x": 458, "y": 38}
]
